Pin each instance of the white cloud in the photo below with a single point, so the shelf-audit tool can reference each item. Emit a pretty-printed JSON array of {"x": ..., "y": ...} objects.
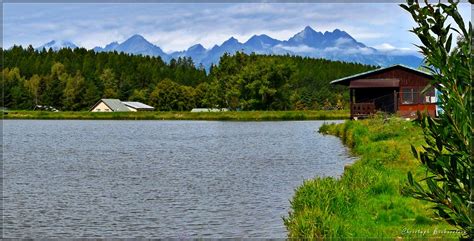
[
  {"x": 178, "y": 26},
  {"x": 390, "y": 49},
  {"x": 384, "y": 47},
  {"x": 337, "y": 50},
  {"x": 367, "y": 35},
  {"x": 342, "y": 41},
  {"x": 296, "y": 49}
]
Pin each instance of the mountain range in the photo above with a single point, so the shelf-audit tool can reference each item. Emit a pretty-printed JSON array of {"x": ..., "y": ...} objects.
[{"x": 335, "y": 45}]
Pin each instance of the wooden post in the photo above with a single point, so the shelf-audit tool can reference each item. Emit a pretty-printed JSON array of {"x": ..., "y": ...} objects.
[
  {"x": 395, "y": 101},
  {"x": 352, "y": 100}
]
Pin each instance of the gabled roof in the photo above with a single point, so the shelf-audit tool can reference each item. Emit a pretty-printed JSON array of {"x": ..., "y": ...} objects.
[
  {"x": 137, "y": 105},
  {"x": 114, "y": 104},
  {"x": 347, "y": 79}
]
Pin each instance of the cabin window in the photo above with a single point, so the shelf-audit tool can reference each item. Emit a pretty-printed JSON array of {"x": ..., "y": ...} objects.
[
  {"x": 416, "y": 96},
  {"x": 430, "y": 96},
  {"x": 407, "y": 96}
]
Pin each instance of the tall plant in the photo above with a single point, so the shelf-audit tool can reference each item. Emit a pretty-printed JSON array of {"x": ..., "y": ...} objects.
[{"x": 448, "y": 150}]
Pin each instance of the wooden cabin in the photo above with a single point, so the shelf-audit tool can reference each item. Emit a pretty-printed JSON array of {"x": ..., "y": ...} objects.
[{"x": 396, "y": 89}]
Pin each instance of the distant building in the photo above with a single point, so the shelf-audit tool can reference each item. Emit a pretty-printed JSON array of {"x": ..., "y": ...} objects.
[
  {"x": 115, "y": 105},
  {"x": 395, "y": 89},
  {"x": 209, "y": 110},
  {"x": 138, "y": 106},
  {"x": 45, "y": 108}
]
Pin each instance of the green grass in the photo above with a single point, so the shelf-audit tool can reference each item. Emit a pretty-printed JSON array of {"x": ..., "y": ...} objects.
[
  {"x": 367, "y": 201},
  {"x": 157, "y": 115}
]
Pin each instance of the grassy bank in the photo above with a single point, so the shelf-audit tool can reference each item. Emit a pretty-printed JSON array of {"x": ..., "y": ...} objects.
[
  {"x": 156, "y": 115},
  {"x": 367, "y": 201}
]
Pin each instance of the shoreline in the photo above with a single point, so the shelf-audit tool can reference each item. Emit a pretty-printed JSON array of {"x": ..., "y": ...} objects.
[
  {"x": 180, "y": 115},
  {"x": 367, "y": 200}
]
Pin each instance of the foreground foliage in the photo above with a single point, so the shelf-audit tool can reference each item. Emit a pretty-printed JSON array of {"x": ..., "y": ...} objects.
[
  {"x": 447, "y": 155},
  {"x": 75, "y": 79},
  {"x": 367, "y": 200}
]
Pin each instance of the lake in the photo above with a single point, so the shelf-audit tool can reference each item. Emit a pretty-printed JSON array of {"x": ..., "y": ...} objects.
[{"x": 68, "y": 178}]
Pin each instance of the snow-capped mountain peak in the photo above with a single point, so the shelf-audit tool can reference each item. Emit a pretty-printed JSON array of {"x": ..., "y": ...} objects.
[
  {"x": 57, "y": 45},
  {"x": 335, "y": 45}
]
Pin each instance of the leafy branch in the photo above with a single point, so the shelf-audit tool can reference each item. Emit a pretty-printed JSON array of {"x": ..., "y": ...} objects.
[{"x": 448, "y": 150}]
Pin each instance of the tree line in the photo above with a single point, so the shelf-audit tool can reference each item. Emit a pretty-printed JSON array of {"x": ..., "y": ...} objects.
[{"x": 75, "y": 79}]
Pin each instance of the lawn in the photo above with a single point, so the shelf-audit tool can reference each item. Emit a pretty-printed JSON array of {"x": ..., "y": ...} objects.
[
  {"x": 367, "y": 201},
  {"x": 183, "y": 115}
]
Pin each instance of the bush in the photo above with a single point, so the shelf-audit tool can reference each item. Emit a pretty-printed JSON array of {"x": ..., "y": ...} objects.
[{"x": 448, "y": 150}]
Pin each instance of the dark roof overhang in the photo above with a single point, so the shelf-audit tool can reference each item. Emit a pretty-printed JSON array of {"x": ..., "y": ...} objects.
[{"x": 374, "y": 83}]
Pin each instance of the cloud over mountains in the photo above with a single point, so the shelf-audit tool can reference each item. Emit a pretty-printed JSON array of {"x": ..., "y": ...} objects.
[{"x": 333, "y": 45}]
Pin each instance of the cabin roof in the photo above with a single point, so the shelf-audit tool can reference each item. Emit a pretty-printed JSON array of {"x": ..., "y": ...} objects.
[
  {"x": 113, "y": 104},
  {"x": 348, "y": 79},
  {"x": 137, "y": 105}
]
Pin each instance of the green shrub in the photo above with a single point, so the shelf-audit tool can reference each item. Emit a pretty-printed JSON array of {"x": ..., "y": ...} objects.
[{"x": 447, "y": 155}]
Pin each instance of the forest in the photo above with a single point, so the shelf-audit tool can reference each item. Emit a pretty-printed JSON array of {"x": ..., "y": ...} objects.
[{"x": 75, "y": 79}]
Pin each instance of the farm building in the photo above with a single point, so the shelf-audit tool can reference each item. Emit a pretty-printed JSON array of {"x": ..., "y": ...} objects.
[
  {"x": 395, "y": 89},
  {"x": 115, "y": 105},
  {"x": 137, "y": 106}
]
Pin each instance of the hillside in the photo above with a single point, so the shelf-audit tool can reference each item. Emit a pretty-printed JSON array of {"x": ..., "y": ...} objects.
[{"x": 75, "y": 79}]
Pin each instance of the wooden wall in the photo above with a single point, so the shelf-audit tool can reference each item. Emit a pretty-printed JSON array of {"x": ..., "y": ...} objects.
[{"x": 406, "y": 77}]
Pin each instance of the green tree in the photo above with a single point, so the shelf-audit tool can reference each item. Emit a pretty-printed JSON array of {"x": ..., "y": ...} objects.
[
  {"x": 92, "y": 95},
  {"x": 187, "y": 98},
  {"x": 110, "y": 83},
  {"x": 139, "y": 95},
  {"x": 258, "y": 81},
  {"x": 207, "y": 95},
  {"x": 33, "y": 86},
  {"x": 73, "y": 92},
  {"x": 7, "y": 84},
  {"x": 15, "y": 94},
  {"x": 54, "y": 86},
  {"x": 448, "y": 152},
  {"x": 59, "y": 71},
  {"x": 166, "y": 95}
]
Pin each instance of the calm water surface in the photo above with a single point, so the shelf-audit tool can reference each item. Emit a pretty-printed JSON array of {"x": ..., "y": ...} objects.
[{"x": 159, "y": 178}]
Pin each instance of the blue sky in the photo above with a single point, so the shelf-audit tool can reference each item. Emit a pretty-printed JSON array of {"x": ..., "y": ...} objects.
[{"x": 177, "y": 26}]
